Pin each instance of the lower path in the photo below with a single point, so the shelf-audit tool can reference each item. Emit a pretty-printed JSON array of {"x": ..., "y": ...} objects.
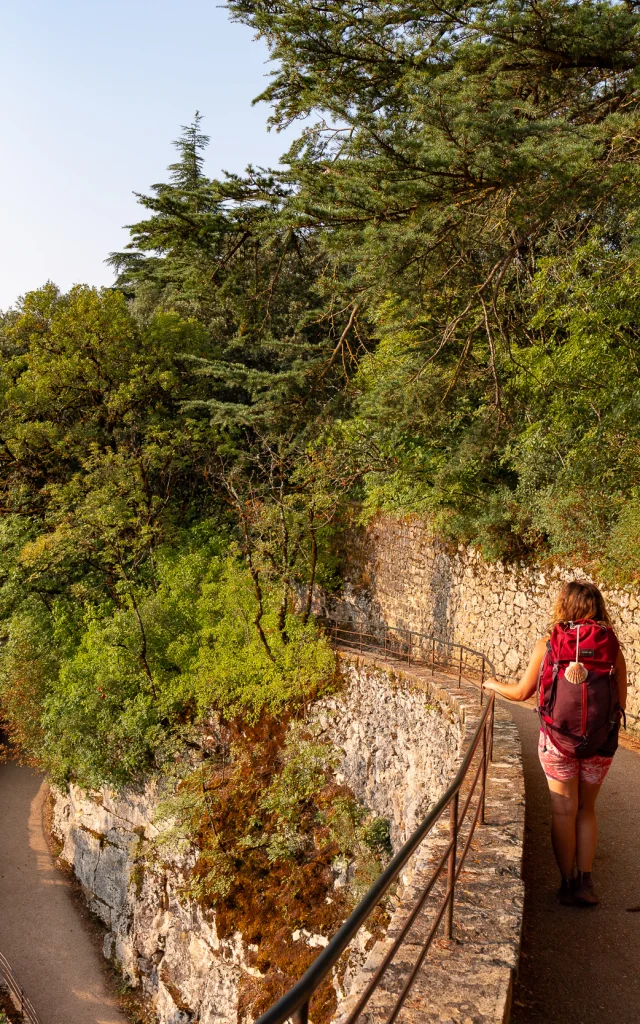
[
  {"x": 580, "y": 966},
  {"x": 42, "y": 931}
]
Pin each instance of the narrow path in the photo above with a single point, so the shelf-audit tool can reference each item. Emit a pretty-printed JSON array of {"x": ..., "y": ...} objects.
[
  {"x": 42, "y": 932},
  {"x": 580, "y": 966}
]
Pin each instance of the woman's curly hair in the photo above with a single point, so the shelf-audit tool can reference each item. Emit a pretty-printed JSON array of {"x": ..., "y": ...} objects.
[{"x": 580, "y": 600}]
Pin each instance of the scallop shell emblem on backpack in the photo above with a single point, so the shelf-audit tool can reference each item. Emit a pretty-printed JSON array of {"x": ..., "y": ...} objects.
[{"x": 576, "y": 673}]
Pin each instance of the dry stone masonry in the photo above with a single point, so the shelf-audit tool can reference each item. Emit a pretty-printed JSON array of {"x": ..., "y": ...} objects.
[
  {"x": 399, "y": 747},
  {"x": 399, "y": 575}
]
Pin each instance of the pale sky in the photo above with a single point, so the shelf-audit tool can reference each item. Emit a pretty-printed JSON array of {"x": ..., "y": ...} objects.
[{"x": 92, "y": 95}]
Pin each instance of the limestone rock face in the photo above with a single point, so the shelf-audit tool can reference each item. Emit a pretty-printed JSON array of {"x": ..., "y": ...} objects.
[
  {"x": 162, "y": 943},
  {"x": 398, "y": 749}
]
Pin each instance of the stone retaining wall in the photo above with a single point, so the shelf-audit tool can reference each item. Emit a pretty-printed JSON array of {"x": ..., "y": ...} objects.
[
  {"x": 399, "y": 744},
  {"x": 398, "y": 575}
]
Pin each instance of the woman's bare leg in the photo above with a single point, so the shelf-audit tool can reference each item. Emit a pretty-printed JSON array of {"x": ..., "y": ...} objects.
[
  {"x": 586, "y": 825},
  {"x": 564, "y": 806}
]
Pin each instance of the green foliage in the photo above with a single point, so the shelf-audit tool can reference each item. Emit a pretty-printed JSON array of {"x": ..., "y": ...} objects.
[
  {"x": 431, "y": 310},
  {"x": 227, "y": 253},
  {"x": 93, "y": 447},
  {"x": 307, "y": 765},
  {"x": 128, "y": 610},
  {"x": 255, "y": 803},
  {"x": 559, "y": 471},
  {"x": 233, "y": 670},
  {"x": 576, "y": 457},
  {"x": 473, "y": 173},
  {"x": 112, "y": 695},
  {"x": 377, "y": 836}
]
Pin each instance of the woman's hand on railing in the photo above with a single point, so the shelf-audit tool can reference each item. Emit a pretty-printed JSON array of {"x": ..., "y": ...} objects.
[
  {"x": 506, "y": 688},
  {"x": 492, "y": 684}
]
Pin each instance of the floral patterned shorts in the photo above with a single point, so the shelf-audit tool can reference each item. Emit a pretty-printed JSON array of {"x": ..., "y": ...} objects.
[{"x": 561, "y": 767}]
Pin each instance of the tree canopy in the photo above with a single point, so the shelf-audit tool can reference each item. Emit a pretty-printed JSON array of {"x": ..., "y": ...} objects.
[
  {"x": 430, "y": 308},
  {"x": 478, "y": 165}
]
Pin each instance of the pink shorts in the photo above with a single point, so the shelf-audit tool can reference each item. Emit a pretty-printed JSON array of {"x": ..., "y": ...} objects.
[{"x": 561, "y": 767}]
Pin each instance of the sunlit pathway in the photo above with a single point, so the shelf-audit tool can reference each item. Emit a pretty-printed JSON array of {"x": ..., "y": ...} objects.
[
  {"x": 581, "y": 966},
  {"x": 42, "y": 932}
]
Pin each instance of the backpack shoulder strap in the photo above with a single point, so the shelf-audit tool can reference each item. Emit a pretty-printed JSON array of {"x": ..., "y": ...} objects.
[
  {"x": 541, "y": 670},
  {"x": 543, "y": 724},
  {"x": 615, "y": 644}
]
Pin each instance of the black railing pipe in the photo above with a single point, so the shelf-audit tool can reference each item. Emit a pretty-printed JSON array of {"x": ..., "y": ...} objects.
[{"x": 21, "y": 1001}]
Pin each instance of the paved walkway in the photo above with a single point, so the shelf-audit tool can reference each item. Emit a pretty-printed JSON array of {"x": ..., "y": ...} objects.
[
  {"x": 42, "y": 931},
  {"x": 581, "y": 966}
]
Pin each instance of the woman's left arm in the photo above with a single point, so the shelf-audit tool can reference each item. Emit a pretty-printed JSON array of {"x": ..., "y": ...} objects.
[{"x": 527, "y": 685}]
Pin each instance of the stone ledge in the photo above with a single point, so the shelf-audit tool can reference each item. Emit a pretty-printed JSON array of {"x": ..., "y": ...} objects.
[{"x": 470, "y": 980}]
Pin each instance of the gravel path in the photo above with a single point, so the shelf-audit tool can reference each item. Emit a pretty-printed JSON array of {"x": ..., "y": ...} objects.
[
  {"x": 581, "y": 966},
  {"x": 42, "y": 931}
]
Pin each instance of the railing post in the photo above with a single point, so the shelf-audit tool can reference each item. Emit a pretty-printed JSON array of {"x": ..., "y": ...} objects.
[
  {"x": 301, "y": 1016},
  {"x": 460, "y": 669},
  {"x": 409, "y": 651},
  {"x": 385, "y": 640},
  {"x": 482, "y": 682},
  {"x": 451, "y": 868},
  {"x": 485, "y": 754}
]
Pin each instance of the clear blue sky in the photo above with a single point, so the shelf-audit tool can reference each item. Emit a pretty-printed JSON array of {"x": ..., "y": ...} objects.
[{"x": 93, "y": 92}]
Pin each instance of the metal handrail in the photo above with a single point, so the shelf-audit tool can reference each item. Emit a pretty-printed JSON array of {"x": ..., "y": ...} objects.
[
  {"x": 408, "y": 645},
  {"x": 21, "y": 1001},
  {"x": 294, "y": 1004}
]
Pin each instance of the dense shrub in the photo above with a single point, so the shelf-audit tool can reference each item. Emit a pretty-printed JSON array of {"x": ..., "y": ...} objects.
[{"x": 103, "y": 695}]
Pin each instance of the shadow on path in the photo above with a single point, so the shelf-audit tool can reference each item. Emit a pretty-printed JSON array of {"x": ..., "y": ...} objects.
[
  {"x": 42, "y": 933},
  {"x": 580, "y": 966}
]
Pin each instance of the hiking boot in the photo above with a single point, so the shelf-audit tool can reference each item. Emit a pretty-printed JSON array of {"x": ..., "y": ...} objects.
[
  {"x": 583, "y": 892},
  {"x": 565, "y": 893}
]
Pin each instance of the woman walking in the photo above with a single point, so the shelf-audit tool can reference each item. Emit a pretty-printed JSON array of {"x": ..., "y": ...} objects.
[{"x": 580, "y": 676}]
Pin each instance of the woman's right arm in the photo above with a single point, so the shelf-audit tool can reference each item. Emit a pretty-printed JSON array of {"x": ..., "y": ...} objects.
[{"x": 527, "y": 685}]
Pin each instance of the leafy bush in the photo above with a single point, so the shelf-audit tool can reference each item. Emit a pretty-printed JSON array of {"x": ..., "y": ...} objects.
[{"x": 105, "y": 693}]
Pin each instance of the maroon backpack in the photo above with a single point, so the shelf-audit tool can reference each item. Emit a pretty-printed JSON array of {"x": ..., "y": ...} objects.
[{"x": 577, "y": 689}]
